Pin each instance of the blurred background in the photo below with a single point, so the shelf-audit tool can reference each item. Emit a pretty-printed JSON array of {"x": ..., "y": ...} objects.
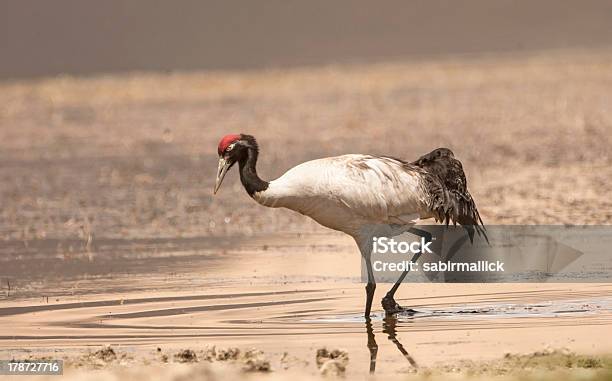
[
  {"x": 111, "y": 111},
  {"x": 77, "y": 37}
]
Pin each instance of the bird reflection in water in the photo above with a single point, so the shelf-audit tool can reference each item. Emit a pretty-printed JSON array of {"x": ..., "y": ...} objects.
[{"x": 389, "y": 326}]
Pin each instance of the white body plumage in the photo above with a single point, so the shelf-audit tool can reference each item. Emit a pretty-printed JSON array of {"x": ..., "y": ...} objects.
[{"x": 349, "y": 192}]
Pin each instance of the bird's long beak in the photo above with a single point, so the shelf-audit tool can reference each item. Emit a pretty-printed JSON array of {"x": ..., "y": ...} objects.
[{"x": 221, "y": 171}]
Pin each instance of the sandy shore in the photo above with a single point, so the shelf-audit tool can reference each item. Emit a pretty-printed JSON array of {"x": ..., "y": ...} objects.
[{"x": 256, "y": 298}]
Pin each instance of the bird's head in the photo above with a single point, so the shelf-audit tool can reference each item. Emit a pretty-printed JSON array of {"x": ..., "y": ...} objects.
[{"x": 232, "y": 148}]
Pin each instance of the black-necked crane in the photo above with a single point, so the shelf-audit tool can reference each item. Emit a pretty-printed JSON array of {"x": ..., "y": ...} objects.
[{"x": 361, "y": 195}]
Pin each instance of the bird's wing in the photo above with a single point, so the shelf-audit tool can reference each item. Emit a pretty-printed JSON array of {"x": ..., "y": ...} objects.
[
  {"x": 378, "y": 189},
  {"x": 450, "y": 200}
]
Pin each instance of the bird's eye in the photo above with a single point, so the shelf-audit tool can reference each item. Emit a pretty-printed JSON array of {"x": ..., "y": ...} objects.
[{"x": 230, "y": 147}]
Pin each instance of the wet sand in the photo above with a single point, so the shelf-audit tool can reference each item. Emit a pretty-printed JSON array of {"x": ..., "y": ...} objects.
[{"x": 249, "y": 297}]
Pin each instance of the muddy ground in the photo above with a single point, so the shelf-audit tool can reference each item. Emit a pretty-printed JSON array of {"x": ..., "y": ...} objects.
[{"x": 110, "y": 233}]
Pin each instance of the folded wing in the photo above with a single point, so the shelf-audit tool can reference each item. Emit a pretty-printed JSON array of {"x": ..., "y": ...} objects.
[{"x": 450, "y": 200}]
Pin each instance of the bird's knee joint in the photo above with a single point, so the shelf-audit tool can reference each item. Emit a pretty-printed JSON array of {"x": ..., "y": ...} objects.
[{"x": 370, "y": 287}]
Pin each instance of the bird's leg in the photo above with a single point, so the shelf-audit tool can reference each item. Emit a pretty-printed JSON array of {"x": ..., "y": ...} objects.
[
  {"x": 370, "y": 287},
  {"x": 388, "y": 302},
  {"x": 372, "y": 346}
]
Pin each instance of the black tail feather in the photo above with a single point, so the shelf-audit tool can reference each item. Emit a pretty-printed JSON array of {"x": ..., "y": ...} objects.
[{"x": 450, "y": 199}]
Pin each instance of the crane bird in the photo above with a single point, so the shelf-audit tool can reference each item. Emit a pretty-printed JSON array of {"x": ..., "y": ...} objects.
[{"x": 361, "y": 195}]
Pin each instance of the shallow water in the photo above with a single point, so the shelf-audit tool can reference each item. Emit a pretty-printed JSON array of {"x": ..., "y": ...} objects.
[
  {"x": 249, "y": 296},
  {"x": 493, "y": 311}
]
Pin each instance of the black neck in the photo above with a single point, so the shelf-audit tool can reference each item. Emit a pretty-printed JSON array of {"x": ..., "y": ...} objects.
[{"x": 248, "y": 173}]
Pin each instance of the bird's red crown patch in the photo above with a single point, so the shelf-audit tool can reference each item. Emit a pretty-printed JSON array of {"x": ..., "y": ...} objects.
[{"x": 226, "y": 141}]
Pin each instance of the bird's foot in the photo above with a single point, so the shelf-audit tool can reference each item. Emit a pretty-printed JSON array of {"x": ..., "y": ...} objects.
[{"x": 392, "y": 307}]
